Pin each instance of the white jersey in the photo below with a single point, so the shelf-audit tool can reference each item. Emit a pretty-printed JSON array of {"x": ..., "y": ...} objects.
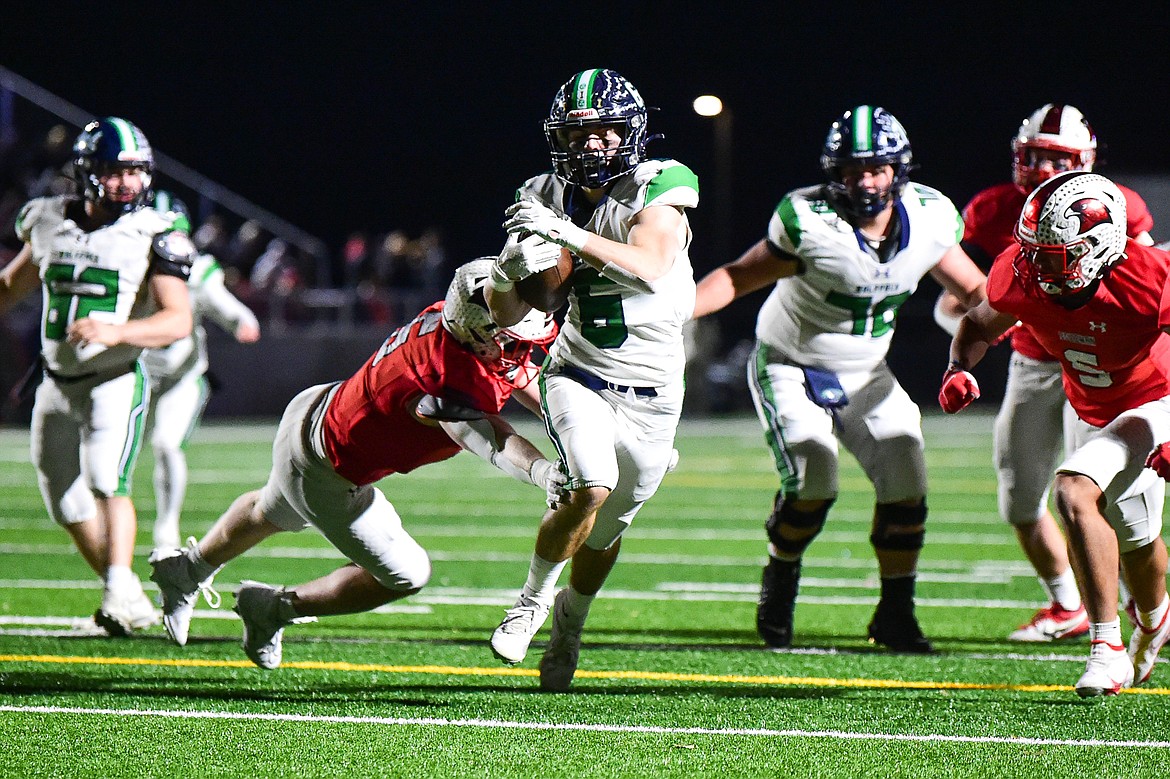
[
  {"x": 838, "y": 313},
  {"x": 98, "y": 274},
  {"x": 209, "y": 297},
  {"x": 615, "y": 332}
]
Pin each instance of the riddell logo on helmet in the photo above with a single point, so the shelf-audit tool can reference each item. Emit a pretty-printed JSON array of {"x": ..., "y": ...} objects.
[{"x": 583, "y": 113}]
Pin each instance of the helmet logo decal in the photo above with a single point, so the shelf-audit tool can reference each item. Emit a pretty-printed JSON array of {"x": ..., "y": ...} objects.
[
  {"x": 583, "y": 114},
  {"x": 1090, "y": 212}
]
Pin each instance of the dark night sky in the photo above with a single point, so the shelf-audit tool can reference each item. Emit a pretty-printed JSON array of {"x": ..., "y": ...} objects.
[{"x": 339, "y": 116}]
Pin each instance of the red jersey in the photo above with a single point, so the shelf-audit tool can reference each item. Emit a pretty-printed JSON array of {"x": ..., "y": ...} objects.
[
  {"x": 990, "y": 222},
  {"x": 370, "y": 428},
  {"x": 1113, "y": 353}
]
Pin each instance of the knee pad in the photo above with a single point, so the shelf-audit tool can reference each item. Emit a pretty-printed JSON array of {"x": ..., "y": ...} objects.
[
  {"x": 899, "y": 528},
  {"x": 808, "y": 525}
]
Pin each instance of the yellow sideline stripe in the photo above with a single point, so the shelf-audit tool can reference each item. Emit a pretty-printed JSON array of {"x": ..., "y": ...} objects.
[{"x": 655, "y": 676}]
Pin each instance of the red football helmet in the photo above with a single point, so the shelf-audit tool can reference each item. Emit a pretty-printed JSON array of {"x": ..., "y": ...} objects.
[{"x": 1055, "y": 134}]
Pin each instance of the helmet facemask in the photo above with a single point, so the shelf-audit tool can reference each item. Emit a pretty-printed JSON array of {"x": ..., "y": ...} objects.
[
  {"x": 596, "y": 99},
  {"x": 505, "y": 351},
  {"x": 1071, "y": 230}
]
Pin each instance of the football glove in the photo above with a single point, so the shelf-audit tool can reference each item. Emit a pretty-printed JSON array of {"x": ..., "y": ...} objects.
[
  {"x": 1159, "y": 460},
  {"x": 542, "y": 220},
  {"x": 523, "y": 258},
  {"x": 959, "y": 389},
  {"x": 552, "y": 477}
]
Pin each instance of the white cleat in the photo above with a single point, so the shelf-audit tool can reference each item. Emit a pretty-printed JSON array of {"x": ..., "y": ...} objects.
[
  {"x": 1053, "y": 623},
  {"x": 259, "y": 607},
  {"x": 171, "y": 571},
  {"x": 1144, "y": 645},
  {"x": 559, "y": 663},
  {"x": 513, "y": 635},
  {"x": 1108, "y": 671},
  {"x": 125, "y": 610}
]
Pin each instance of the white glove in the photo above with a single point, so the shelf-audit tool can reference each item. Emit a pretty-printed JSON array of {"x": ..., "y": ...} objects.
[
  {"x": 552, "y": 477},
  {"x": 542, "y": 220},
  {"x": 673, "y": 461},
  {"x": 523, "y": 258}
]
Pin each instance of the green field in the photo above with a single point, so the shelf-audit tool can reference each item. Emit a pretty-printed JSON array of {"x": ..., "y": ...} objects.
[{"x": 673, "y": 680}]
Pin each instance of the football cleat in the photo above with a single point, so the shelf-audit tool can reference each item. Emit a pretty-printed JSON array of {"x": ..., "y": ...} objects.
[
  {"x": 777, "y": 599},
  {"x": 171, "y": 571},
  {"x": 1053, "y": 623},
  {"x": 1109, "y": 670},
  {"x": 513, "y": 635},
  {"x": 1144, "y": 645},
  {"x": 125, "y": 610},
  {"x": 559, "y": 663},
  {"x": 259, "y": 606},
  {"x": 898, "y": 631}
]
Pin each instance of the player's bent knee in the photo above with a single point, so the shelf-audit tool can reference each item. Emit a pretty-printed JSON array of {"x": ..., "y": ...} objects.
[
  {"x": 899, "y": 528},
  {"x": 404, "y": 577}
]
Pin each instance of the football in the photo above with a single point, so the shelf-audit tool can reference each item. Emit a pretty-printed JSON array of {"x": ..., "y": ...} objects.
[{"x": 549, "y": 289}]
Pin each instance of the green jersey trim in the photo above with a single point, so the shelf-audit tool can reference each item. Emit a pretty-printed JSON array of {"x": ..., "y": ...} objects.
[
  {"x": 790, "y": 221},
  {"x": 670, "y": 178}
]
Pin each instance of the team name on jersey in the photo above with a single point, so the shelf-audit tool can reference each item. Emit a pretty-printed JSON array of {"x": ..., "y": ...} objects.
[
  {"x": 1077, "y": 338},
  {"x": 57, "y": 255}
]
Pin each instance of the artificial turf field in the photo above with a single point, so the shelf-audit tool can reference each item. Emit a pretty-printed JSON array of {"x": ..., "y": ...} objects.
[{"x": 673, "y": 680}]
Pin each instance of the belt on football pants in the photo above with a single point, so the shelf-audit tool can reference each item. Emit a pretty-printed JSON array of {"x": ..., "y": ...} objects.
[
  {"x": 106, "y": 375},
  {"x": 596, "y": 383}
]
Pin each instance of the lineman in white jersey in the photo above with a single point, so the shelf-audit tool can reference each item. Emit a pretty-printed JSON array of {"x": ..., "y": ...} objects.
[
  {"x": 612, "y": 387},
  {"x": 113, "y": 277},
  {"x": 844, "y": 256},
  {"x": 178, "y": 381}
]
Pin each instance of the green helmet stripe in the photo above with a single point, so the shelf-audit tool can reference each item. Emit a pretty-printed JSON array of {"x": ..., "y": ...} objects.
[
  {"x": 583, "y": 89},
  {"x": 129, "y": 143},
  {"x": 863, "y": 128}
]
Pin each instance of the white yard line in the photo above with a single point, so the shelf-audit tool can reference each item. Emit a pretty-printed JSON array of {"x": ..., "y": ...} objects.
[{"x": 491, "y": 724}]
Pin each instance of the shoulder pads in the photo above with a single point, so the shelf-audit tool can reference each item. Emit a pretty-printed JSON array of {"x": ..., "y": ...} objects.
[{"x": 172, "y": 253}]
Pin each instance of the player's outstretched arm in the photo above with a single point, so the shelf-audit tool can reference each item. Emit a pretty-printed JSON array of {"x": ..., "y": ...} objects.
[
  {"x": 960, "y": 276},
  {"x": 755, "y": 269},
  {"x": 493, "y": 439},
  {"x": 979, "y": 328}
]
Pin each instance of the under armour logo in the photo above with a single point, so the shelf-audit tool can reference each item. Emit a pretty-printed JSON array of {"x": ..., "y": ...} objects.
[
  {"x": 1096, "y": 327},
  {"x": 881, "y": 273}
]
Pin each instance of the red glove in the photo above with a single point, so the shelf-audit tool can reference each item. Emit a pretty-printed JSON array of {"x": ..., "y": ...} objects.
[
  {"x": 1159, "y": 460},
  {"x": 959, "y": 388}
]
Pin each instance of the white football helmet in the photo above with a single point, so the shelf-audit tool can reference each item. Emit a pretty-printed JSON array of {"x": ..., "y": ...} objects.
[
  {"x": 1054, "y": 128},
  {"x": 506, "y": 349},
  {"x": 1071, "y": 230}
]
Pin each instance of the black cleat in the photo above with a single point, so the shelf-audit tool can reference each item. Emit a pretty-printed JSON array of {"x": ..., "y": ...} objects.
[
  {"x": 777, "y": 600},
  {"x": 898, "y": 631}
]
